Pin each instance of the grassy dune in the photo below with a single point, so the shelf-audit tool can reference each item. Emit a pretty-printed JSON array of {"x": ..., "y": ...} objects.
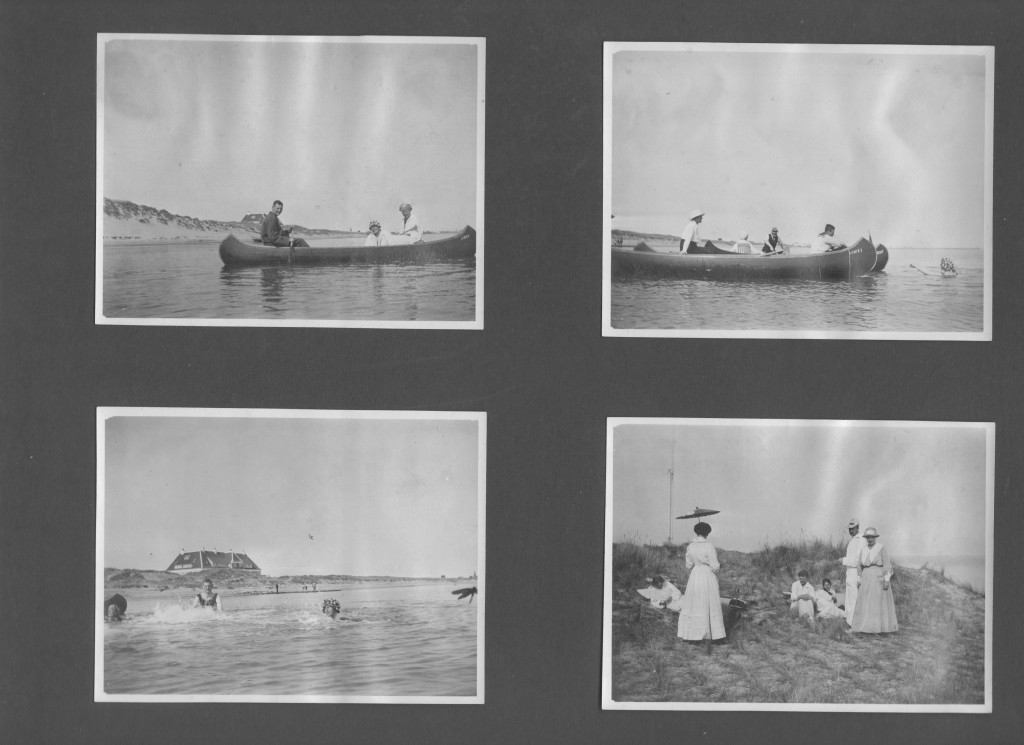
[{"x": 937, "y": 657}]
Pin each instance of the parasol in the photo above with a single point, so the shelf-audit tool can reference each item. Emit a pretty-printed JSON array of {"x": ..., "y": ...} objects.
[{"x": 698, "y": 512}]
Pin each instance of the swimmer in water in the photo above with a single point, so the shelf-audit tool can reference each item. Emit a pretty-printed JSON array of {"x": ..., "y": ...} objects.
[
  {"x": 331, "y": 607},
  {"x": 207, "y": 598},
  {"x": 114, "y": 608}
]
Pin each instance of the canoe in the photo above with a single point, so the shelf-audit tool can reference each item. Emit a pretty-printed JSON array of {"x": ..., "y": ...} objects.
[
  {"x": 846, "y": 263},
  {"x": 234, "y": 252}
]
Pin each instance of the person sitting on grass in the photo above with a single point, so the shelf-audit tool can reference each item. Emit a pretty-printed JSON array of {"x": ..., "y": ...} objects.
[
  {"x": 826, "y": 602},
  {"x": 662, "y": 593},
  {"x": 801, "y": 596}
]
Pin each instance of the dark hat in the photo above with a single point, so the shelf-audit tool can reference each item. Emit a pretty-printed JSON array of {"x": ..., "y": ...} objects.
[{"x": 829, "y": 226}]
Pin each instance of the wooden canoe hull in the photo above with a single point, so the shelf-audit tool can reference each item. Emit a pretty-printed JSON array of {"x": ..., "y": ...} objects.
[
  {"x": 847, "y": 263},
  {"x": 234, "y": 252}
]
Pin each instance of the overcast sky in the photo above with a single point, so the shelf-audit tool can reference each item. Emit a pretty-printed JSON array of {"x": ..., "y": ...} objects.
[
  {"x": 923, "y": 487},
  {"x": 879, "y": 142},
  {"x": 341, "y": 132},
  {"x": 379, "y": 496}
]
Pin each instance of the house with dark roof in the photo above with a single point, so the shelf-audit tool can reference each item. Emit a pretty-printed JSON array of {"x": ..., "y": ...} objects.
[{"x": 196, "y": 561}]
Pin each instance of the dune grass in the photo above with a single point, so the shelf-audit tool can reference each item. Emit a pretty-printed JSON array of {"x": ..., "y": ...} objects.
[{"x": 769, "y": 656}]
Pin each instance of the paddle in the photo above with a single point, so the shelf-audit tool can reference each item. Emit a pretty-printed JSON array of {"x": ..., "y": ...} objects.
[{"x": 920, "y": 270}]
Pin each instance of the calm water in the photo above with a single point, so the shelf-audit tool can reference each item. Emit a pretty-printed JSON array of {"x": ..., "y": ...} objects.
[
  {"x": 900, "y": 299},
  {"x": 188, "y": 281},
  {"x": 403, "y": 641},
  {"x": 968, "y": 570}
]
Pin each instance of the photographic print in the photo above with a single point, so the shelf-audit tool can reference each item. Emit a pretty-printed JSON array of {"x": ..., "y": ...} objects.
[
  {"x": 290, "y": 181},
  {"x": 290, "y": 556},
  {"x": 798, "y": 191},
  {"x": 799, "y": 565}
]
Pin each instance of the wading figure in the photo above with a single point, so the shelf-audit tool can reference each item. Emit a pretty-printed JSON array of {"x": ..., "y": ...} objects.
[{"x": 207, "y": 598}]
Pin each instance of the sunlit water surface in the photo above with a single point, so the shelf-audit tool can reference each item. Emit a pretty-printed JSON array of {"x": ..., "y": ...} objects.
[{"x": 404, "y": 641}]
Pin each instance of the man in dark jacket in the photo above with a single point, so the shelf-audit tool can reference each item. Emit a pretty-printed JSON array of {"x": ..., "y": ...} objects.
[{"x": 273, "y": 233}]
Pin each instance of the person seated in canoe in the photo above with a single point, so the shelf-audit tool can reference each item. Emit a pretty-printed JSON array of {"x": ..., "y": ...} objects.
[
  {"x": 773, "y": 244},
  {"x": 662, "y": 593},
  {"x": 743, "y": 244},
  {"x": 826, "y": 241},
  {"x": 377, "y": 237},
  {"x": 114, "y": 608},
  {"x": 207, "y": 598},
  {"x": 412, "y": 231},
  {"x": 825, "y": 602},
  {"x": 273, "y": 233},
  {"x": 691, "y": 233}
]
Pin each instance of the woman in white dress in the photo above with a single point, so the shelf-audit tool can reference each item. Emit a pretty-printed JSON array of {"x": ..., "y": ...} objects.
[
  {"x": 825, "y": 601},
  {"x": 700, "y": 616},
  {"x": 875, "y": 612}
]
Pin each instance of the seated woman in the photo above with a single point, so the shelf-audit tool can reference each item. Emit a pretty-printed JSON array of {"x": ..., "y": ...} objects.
[
  {"x": 802, "y": 596},
  {"x": 412, "y": 231},
  {"x": 662, "y": 593},
  {"x": 826, "y": 602},
  {"x": 377, "y": 237}
]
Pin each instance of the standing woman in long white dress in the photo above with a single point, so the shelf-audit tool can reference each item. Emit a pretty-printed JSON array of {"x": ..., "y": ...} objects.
[
  {"x": 875, "y": 612},
  {"x": 701, "y": 613}
]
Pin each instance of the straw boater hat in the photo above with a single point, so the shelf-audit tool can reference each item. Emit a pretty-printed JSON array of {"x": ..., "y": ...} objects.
[
  {"x": 870, "y": 533},
  {"x": 696, "y": 213},
  {"x": 404, "y": 206},
  {"x": 775, "y": 230}
]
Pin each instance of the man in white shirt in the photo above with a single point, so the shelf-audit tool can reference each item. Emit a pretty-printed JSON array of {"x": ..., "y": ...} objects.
[
  {"x": 852, "y": 563},
  {"x": 412, "y": 231},
  {"x": 691, "y": 233},
  {"x": 826, "y": 240},
  {"x": 377, "y": 237}
]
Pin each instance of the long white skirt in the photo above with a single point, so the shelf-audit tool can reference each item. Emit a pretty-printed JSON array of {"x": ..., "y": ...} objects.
[{"x": 701, "y": 614}]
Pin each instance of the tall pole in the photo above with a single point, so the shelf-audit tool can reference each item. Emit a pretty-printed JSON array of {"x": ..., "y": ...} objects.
[
  {"x": 671, "y": 474},
  {"x": 671, "y": 477}
]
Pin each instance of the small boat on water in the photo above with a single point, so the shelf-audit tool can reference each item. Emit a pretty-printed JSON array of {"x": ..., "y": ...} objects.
[
  {"x": 863, "y": 257},
  {"x": 462, "y": 245}
]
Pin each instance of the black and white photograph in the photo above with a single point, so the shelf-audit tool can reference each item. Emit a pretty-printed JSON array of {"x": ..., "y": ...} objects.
[
  {"x": 798, "y": 191},
  {"x": 290, "y": 181},
  {"x": 290, "y": 556},
  {"x": 799, "y": 565}
]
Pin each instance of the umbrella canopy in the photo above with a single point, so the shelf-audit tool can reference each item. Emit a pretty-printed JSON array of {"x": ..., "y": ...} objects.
[{"x": 698, "y": 512}]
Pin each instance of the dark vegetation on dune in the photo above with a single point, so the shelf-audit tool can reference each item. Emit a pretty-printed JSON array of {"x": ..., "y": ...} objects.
[{"x": 769, "y": 656}]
